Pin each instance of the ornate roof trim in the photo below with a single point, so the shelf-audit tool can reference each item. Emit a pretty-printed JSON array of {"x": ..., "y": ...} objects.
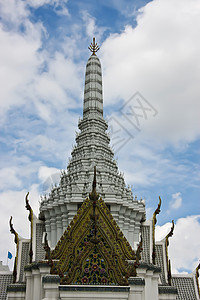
[
  {"x": 30, "y": 217},
  {"x": 156, "y": 212},
  {"x": 12, "y": 230},
  {"x": 93, "y": 239},
  {"x": 95, "y": 288},
  {"x": 20, "y": 287},
  {"x": 197, "y": 278},
  {"x": 169, "y": 275},
  {"x": 167, "y": 290}
]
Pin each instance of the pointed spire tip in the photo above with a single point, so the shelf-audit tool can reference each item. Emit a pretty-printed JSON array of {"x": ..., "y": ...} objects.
[{"x": 93, "y": 47}]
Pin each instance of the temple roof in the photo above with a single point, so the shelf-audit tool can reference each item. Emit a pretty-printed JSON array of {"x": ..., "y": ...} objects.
[{"x": 93, "y": 249}]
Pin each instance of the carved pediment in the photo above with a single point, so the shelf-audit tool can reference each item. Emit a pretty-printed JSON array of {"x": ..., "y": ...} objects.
[{"x": 93, "y": 250}]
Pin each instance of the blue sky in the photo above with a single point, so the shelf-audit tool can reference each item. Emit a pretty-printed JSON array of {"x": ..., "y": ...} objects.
[{"x": 149, "y": 47}]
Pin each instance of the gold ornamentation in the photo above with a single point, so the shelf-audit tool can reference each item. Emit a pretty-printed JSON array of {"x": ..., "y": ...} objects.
[
  {"x": 93, "y": 47},
  {"x": 93, "y": 250},
  {"x": 169, "y": 276},
  {"x": 133, "y": 265},
  {"x": 138, "y": 252},
  {"x": 197, "y": 278},
  {"x": 30, "y": 217},
  {"x": 47, "y": 248},
  {"x": 12, "y": 230},
  {"x": 156, "y": 212}
]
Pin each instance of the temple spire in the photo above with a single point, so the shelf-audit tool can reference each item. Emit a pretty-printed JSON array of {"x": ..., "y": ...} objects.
[{"x": 93, "y": 95}]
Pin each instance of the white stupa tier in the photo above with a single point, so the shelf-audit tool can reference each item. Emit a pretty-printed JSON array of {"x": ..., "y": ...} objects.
[{"x": 92, "y": 149}]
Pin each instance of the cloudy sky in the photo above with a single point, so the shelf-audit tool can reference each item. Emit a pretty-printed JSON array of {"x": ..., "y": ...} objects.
[{"x": 151, "y": 70}]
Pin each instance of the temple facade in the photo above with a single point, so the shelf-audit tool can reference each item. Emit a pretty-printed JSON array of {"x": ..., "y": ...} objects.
[{"x": 91, "y": 238}]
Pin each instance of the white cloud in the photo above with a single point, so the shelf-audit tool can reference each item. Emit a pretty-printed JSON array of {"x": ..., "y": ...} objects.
[
  {"x": 160, "y": 58},
  {"x": 18, "y": 65},
  {"x": 13, "y": 11},
  {"x": 146, "y": 166},
  {"x": 45, "y": 172},
  {"x": 23, "y": 79},
  {"x": 89, "y": 23},
  {"x": 184, "y": 246},
  {"x": 12, "y": 203},
  {"x": 9, "y": 177},
  {"x": 92, "y": 30},
  {"x": 58, "y": 5},
  {"x": 177, "y": 201},
  {"x": 49, "y": 177},
  {"x": 17, "y": 171}
]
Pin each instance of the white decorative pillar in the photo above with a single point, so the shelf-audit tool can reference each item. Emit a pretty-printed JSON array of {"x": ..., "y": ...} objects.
[
  {"x": 53, "y": 232},
  {"x": 136, "y": 288},
  {"x": 136, "y": 232},
  {"x": 36, "y": 283},
  {"x": 121, "y": 220},
  {"x": 64, "y": 217},
  {"x": 131, "y": 233},
  {"x": 50, "y": 285},
  {"x": 155, "y": 279},
  {"x": 126, "y": 222},
  {"x": 64, "y": 222},
  {"x": 29, "y": 285},
  {"x": 59, "y": 227},
  {"x": 149, "y": 293},
  {"x": 72, "y": 209},
  {"x": 44, "y": 270}
]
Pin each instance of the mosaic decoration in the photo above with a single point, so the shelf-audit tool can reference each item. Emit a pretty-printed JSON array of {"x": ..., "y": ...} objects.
[{"x": 93, "y": 250}]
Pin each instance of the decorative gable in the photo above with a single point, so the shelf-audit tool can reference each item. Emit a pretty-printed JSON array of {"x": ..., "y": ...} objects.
[{"x": 93, "y": 250}]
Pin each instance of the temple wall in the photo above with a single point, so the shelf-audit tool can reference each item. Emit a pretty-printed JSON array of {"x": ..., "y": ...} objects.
[{"x": 41, "y": 285}]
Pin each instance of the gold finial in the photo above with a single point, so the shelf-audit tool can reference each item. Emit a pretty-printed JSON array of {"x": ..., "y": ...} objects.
[
  {"x": 197, "y": 277},
  {"x": 93, "y": 47}
]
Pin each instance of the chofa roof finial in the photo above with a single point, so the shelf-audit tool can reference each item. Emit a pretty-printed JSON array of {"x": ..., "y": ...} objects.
[
  {"x": 169, "y": 275},
  {"x": 30, "y": 217},
  {"x": 93, "y": 47},
  {"x": 156, "y": 212},
  {"x": 12, "y": 230}
]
